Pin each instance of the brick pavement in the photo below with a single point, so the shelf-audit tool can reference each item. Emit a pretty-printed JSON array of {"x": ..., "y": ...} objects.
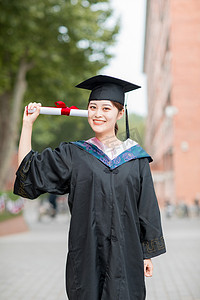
[{"x": 32, "y": 264}]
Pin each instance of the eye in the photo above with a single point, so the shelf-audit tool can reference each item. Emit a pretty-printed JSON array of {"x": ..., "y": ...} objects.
[
  {"x": 92, "y": 107},
  {"x": 106, "y": 108}
]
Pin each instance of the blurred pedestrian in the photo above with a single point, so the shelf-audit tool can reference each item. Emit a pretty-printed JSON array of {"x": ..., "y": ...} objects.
[
  {"x": 169, "y": 209},
  {"x": 196, "y": 205},
  {"x": 185, "y": 210},
  {"x": 52, "y": 200},
  {"x": 115, "y": 225}
]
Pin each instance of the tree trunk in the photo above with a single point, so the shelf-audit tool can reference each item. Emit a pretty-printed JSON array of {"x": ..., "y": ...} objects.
[{"x": 10, "y": 116}]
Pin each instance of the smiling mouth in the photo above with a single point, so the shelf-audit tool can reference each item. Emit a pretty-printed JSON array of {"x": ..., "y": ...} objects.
[{"x": 98, "y": 122}]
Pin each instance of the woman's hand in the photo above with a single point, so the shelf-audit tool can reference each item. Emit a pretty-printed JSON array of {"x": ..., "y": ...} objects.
[
  {"x": 148, "y": 267},
  {"x": 30, "y": 118}
]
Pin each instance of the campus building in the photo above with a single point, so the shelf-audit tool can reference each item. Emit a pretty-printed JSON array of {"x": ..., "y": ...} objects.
[{"x": 172, "y": 66}]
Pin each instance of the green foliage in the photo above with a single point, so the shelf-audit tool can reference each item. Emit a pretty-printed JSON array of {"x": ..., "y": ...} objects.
[
  {"x": 67, "y": 129},
  {"x": 10, "y": 195},
  {"x": 136, "y": 128},
  {"x": 64, "y": 42}
]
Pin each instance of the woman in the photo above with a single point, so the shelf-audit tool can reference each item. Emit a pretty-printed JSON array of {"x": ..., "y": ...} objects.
[{"x": 115, "y": 226}]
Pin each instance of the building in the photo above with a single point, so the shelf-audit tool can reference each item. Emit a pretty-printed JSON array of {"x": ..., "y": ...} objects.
[{"x": 172, "y": 66}]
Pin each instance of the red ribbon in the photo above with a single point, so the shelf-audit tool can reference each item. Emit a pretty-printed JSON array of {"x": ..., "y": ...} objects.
[{"x": 64, "y": 109}]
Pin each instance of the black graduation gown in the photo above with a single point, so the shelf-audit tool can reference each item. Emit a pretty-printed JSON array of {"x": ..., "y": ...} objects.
[{"x": 115, "y": 219}]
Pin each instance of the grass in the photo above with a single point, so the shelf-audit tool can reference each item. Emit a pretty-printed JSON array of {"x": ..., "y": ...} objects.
[{"x": 5, "y": 215}]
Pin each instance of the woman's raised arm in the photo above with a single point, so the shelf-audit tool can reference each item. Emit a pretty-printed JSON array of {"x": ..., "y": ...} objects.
[{"x": 26, "y": 133}]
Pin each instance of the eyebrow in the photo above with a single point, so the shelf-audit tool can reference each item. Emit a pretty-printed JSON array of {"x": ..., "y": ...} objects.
[{"x": 105, "y": 104}]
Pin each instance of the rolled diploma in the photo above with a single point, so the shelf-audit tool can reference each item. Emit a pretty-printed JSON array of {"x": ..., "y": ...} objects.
[
  {"x": 58, "y": 111},
  {"x": 47, "y": 111},
  {"x": 78, "y": 113}
]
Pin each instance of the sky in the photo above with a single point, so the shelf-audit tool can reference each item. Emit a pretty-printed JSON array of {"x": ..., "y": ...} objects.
[{"x": 128, "y": 51}]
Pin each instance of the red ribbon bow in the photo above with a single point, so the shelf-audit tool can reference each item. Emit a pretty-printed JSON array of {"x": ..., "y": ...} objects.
[{"x": 64, "y": 109}]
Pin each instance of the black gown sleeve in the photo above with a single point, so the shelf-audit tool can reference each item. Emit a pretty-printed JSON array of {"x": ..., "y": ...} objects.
[
  {"x": 151, "y": 235},
  {"x": 48, "y": 171}
]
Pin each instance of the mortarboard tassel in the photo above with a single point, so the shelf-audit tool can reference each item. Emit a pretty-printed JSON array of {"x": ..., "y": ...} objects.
[{"x": 127, "y": 125}]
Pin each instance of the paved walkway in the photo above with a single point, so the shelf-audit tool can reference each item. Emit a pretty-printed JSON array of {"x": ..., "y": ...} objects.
[
  {"x": 32, "y": 264},
  {"x": 177, "y": 273}
]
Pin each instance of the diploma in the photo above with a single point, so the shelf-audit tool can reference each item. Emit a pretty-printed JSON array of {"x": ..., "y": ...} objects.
[{"x": 60, "y": 109}]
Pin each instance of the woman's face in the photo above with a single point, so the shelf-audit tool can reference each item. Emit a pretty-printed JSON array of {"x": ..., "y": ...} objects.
[{"x": 102, "y": 116}]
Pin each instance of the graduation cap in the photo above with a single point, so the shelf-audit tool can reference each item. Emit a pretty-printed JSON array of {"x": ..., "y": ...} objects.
[{"x": 108, "y": 88}]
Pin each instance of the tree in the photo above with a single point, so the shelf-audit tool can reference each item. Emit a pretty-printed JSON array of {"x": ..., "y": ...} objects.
[{"x": 46, "y": 47}]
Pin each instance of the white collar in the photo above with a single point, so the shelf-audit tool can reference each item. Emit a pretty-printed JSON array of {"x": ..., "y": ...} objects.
[{"x": 112, "y": 151}]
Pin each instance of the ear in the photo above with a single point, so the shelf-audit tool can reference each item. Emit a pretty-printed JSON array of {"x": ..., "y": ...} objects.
[{"x": 120, "y": 114}]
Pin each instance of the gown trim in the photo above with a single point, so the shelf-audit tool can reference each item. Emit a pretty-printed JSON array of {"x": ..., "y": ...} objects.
[{"x": 132, "y": 153}]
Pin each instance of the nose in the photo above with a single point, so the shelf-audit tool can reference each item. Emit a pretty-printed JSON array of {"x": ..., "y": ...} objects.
[{"x": 98, "y": 113}]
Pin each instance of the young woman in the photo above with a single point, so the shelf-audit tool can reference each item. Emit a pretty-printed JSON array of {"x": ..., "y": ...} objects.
[{"x": 115, "y": 226}]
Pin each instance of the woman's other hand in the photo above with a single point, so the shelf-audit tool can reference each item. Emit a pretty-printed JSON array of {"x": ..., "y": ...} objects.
[{"x": 148, "y": 267}]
